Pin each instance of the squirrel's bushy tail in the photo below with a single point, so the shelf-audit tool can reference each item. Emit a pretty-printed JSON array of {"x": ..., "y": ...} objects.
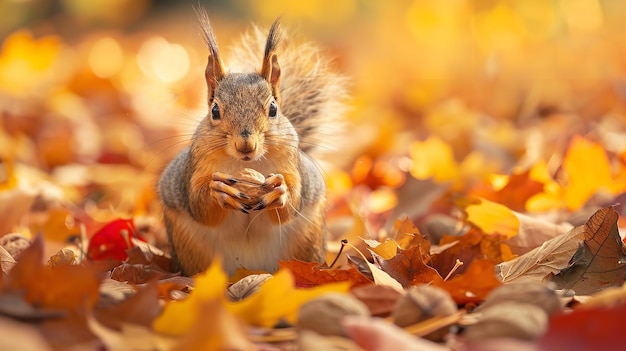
[{"x": 313, "y": 96}]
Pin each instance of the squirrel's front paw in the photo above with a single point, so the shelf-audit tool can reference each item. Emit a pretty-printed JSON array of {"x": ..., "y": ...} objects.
[
  {"x": 226, "y": 195},
  {"x": 276, "y": 197}
]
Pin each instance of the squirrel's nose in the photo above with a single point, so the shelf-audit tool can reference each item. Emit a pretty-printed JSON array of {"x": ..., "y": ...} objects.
[{"x": 245, "y": 133}]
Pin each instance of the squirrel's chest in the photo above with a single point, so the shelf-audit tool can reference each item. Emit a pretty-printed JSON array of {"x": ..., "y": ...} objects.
[{"x": 241, "y": 240}]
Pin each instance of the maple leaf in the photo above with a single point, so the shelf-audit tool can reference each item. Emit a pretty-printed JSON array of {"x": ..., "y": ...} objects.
[
  {"x": 473, "y": 244},
  {"x": 473, "y": 285},
  {"x": 308, "y": 274},
  {"x": 406, "y": 235},
  {"x": 408, "y": 266},
  {"x": 600, "y": 261},
  {"x": 65, "y": 287}
]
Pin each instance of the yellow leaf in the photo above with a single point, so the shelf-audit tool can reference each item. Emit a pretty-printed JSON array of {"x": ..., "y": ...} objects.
[
  {"x": 588, "y": 171},
  {"x": 279, "y": 299},
  {"x": 216, "y": 329},
  {"x": 493, "y": 218},
  {"x": 386, "y": 250},
  {"x": 179, "y": 317},
  {"x": 433, "y": 158}
]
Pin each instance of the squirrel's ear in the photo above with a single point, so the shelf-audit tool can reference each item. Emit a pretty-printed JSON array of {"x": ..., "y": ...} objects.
[
  {"x": 271, "y": 73},
  {"x": 214, "y": 72},
  {"x": 270, "y": 69}
]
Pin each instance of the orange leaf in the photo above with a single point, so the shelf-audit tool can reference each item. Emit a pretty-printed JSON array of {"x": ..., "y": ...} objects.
[
  {"x": 64, "y": 287},
  {"x": 309, "y": 274},
  {"x": 474, "y": 285}
]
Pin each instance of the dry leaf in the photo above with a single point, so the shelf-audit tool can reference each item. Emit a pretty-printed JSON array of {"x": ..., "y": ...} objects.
[
  {"x": 309, "y": 274},
  {"x": 284, "y": 298},
  {"x": 473, "y": 285},
  {"x": 552, "y": 256},
  {"x": 493, "y": 218},
  {"x": 597, "y": 328},
  {"x": 408, "y": 266},
  {"x": 600, "y": 261}
]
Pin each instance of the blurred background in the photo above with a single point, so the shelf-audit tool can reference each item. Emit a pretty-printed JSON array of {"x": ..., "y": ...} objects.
[{"x": 96, "y": 96}]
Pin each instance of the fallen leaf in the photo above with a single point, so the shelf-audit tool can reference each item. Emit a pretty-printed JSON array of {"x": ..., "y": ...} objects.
[
  {"x": 552, "y": 256},
  {"x": 599, "y": 262},
  {"x": 112, "y": 240},
  {"x": 386, "y": 250},
  {"x": 597, "y": 328},
  {"x": 408, "y": 266},
  {"x": 492, "y": 218},
  {"x": 6, "y": 261},
  {"x": 309, "y": 274},
  {"x": 140, "y": 308},
  {"x": 473, "y": 285},
  {"x": 473, "y": 244},
  {"x": 587, "y": 171},
  {"x": 513, "y": 190},
  {"x": 533, "y": 232},
  {"x": 216, "y": 329},
  {"x": 405, "y": 234},
  {"x": 284, "y": 298},
  {"x": 64, "y": 287},
  {"x": 179, "y": 317}
]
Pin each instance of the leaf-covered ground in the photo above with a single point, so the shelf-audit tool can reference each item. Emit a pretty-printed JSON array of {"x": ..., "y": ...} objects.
[{"x": 477, "y": 204}]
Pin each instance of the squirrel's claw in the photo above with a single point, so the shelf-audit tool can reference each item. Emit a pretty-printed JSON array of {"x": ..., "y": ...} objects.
[
  {"x": 228, "y": 197},
  {"x": 276, "y": 196}
]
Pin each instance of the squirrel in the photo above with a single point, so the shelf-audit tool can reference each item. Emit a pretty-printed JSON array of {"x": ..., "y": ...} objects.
[{"x": 273, "y": 121}]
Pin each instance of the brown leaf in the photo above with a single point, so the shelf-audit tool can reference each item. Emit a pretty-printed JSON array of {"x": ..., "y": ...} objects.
[
  {"x": 600, "y": 261},
  {"x": 473, "y": 244},
  {"x": 138, "y": 273},
  {"x": 408, "y": 266},
  {"x": 141, "y": 308}
]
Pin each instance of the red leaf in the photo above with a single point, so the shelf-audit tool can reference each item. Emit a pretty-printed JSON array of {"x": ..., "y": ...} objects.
[
  {"x": 586, "y": 329},
  {"x": 113, "y": 240}
]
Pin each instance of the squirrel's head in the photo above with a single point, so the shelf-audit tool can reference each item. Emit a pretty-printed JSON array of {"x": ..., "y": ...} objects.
[{"x": 244, "y": 108}]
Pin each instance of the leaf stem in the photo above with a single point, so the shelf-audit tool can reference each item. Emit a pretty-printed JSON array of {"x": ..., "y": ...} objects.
[{"x": 343, "y": 244}]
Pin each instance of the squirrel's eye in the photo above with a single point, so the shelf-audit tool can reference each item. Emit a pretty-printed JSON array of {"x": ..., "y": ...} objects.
[
  {"x": 215, "y": 111},
  {"x": 273, "y": 109}
]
